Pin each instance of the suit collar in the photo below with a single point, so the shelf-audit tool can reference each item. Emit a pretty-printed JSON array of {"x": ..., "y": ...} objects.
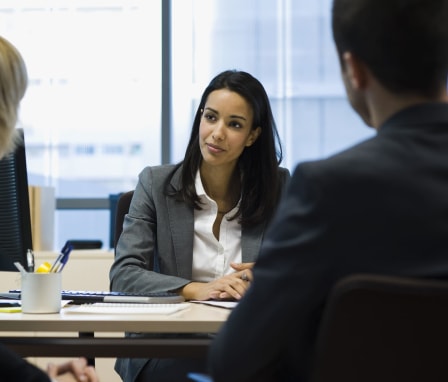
[
  {"x": 176, "y": 179},
  {"x": 417, "y": 116}
]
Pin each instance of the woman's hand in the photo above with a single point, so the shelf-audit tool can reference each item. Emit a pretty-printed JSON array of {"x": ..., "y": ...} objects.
[
  {"x": 231, "y": 286},
  {"x": 242, "y": 267},
  {"x": 72, "y": 371}
]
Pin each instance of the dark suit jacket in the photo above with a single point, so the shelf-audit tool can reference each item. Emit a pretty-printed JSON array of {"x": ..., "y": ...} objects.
[
  {"x": 380, "y": 206},
  {"x": 16, "y": 369}
]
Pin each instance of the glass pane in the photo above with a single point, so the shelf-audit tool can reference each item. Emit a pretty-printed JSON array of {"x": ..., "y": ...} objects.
[
  {"x": 288, "y": 46},
  {"x": 91, "y": 113}
]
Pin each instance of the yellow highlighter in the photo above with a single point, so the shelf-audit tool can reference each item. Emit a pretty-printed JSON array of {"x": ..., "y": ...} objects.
[
  {"x": 12, "y": 309},
  {"x": 44, "y": 267}
]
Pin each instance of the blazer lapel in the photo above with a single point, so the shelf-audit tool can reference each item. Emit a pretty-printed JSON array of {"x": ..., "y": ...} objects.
[
  {"x": 251, "y": 239},
  {"x": 181, "y": 221}
]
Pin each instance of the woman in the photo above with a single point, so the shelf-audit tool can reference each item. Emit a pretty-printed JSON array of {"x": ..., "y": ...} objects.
[
  {"x": 196, "y": 227},
  {"x": 17, "y": 369},
  {"x": 13, "y": 84}
]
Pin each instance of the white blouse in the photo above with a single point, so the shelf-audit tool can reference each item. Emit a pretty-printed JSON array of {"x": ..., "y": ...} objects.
[{"x": 212, "y": 258}]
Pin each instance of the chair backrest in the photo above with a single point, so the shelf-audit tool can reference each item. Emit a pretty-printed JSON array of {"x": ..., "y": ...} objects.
[
  {"x": 383, "y": 329},
  {"x": 123, "y": 204}
]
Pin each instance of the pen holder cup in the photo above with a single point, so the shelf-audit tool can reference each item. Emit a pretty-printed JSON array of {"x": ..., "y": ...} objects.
[{"x": 41, "y": 292}]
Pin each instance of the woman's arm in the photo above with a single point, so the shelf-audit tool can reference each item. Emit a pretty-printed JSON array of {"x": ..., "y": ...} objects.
[{"x": 147, "y": 233}]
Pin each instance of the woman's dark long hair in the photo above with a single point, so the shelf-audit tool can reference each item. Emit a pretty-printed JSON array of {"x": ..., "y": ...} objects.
[{"x": 258, "y": 163}]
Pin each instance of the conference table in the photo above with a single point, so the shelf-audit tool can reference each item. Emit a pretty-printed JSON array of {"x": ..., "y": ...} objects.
[{"x": 186, "y": 333}]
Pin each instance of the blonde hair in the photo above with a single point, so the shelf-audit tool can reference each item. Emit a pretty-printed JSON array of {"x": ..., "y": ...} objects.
[{"x": 13, "y": 83}]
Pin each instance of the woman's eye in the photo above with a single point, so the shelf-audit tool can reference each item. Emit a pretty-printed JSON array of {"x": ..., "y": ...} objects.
[
  {"x": 210, "y": 117},
  {"x": 235, "y": 125}
]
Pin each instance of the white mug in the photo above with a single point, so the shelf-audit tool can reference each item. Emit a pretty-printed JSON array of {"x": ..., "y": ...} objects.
[{"x": 41, "y": 292}]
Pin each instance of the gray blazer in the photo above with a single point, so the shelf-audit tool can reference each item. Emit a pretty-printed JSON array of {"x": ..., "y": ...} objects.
[
  {"x": 155, "y": 250},
  {"x": 158, "y": 235}
]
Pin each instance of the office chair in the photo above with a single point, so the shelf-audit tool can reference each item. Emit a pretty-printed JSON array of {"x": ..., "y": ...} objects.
[
  {"x": 383, "y": 328},
  {"x": 123, "y": 203}
]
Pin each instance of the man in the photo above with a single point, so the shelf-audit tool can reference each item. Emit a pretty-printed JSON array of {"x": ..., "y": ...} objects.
[{"x": 378, "y": 207}]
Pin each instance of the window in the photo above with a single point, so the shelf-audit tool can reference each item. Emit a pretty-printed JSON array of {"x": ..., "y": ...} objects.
[
  {"x": 92, "y": 113},
  {"x": 287, "y": 45}
]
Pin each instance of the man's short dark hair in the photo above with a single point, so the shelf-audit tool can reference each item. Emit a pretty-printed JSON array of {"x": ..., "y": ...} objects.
[{"x": 403, "y": 42}]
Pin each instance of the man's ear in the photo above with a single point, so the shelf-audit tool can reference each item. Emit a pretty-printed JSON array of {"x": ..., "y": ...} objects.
[{"x": 355, "y": 71}]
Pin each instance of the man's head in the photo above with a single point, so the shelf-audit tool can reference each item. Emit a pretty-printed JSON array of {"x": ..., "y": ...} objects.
[
  {"x": 403, "y": 43},
  {"x": 13, "y": 83}
]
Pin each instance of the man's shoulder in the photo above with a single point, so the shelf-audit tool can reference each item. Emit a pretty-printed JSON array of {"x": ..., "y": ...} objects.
[{"x": 349, "y": 159}]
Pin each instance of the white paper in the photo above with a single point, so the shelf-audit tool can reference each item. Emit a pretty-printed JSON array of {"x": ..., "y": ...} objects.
[{"x": 221, "y": 304}]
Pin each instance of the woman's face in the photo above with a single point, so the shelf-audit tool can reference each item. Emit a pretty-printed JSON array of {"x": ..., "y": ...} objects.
[{"x": 225, "y": 128}]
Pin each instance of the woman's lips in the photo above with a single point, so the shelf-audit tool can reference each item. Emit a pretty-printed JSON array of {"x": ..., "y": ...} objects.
[{"x": 214, "y": 149}]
